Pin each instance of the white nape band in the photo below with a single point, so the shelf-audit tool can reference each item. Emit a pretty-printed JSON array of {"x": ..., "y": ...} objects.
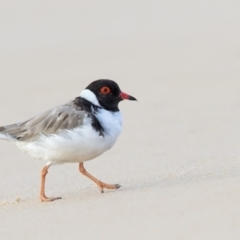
[{"x": 90, "y": 96}]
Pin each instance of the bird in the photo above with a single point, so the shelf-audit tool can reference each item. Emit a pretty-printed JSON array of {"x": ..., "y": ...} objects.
[{"x": 77, "y": 131}]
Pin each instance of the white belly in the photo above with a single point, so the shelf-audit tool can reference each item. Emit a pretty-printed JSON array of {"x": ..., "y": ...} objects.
[{"x": 77, "y": 145}]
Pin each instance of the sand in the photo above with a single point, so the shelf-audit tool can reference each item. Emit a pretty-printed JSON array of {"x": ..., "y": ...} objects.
[{"x": 178, "y": 158}]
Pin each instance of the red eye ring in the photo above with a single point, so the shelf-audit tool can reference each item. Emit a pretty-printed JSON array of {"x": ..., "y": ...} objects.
[{"x": 105, "y": 90}]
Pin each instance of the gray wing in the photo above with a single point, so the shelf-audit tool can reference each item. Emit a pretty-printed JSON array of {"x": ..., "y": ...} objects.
[{"x": 64, "y": 117}]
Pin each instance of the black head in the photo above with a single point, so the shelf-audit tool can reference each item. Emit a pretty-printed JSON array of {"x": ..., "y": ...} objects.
[{"x": 108, "y": 93}]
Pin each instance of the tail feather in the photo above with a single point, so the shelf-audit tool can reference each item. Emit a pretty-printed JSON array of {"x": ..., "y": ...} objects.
[{"x": 3, "y": 135}]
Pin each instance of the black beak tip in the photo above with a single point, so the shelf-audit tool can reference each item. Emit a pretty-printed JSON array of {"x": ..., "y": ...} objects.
[{"x": 132, "y": 98}]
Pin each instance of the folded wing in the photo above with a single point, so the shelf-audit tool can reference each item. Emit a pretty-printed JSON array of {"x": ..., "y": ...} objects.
[{"x": 64, "y": 117}]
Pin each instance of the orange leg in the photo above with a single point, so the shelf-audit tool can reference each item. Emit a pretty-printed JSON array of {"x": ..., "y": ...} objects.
[
  {"x": 100, "y": 184},
  {"x": 42, "y": 191}
]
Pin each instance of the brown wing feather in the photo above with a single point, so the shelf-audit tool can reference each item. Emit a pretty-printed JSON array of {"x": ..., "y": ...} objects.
[{"x": 64, "y": 117}]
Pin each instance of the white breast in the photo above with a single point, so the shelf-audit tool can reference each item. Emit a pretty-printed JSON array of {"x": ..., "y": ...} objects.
[{"x": 79, "y": 144}]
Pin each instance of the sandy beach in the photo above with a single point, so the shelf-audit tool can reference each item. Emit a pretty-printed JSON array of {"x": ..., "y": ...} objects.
[{"x": 178, "y": 157}]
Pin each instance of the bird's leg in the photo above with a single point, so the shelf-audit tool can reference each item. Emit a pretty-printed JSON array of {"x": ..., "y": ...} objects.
[
  {"x": 42, "y": 191},
  {"x": 100, "y": 184}
]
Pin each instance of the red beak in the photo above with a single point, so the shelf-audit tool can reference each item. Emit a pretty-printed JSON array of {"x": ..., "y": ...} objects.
[{"x": 127, "y": 96}]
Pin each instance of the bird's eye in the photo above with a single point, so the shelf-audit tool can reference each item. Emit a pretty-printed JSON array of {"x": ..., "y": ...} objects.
[{"x": 105, "y": 90}]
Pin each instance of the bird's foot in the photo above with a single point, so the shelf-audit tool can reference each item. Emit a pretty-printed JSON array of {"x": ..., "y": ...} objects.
[
  {"x": 102, "y": 185},
  {"x": 47, "y": 199}
]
